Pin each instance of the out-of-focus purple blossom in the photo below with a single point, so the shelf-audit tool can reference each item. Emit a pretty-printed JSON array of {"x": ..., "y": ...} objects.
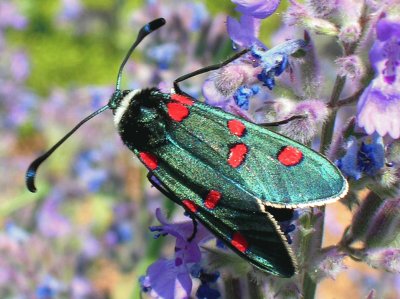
[
  {"x": 121, "y": 232},
  {"x": 387, "y": 259},
  {"x": 244, "y": 32},
  {"x": 170, "y": 278},
  {"x": 99, "y": 95},
  {"x": 16, "y": 233},
  {"x": 164, "y": 54},
  {"x": 90, "y": 175},
  {"x": 50, "y": 222},
  {"x": 18, "y": 105},
  {"x": 91, "y": 247},
  {"x": 199, "y": 16},
  {"x": 70, "y": 10},
  {"x": 80, "y": 288},
  {"x": 19, "y": 66},
  {"x": 10, "y": 16},
  {"x": 350, "y": 66},
  {"x": 368, "y": 158},
  {"x": 49, "y": 288},
  {"x": 257, "y": 8},
  {"x": 379, "y": 105},
  {"x": 303, "y": 130}
]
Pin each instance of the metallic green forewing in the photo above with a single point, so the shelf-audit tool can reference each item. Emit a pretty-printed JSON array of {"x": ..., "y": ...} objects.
[{"x": 311, "y": 182}]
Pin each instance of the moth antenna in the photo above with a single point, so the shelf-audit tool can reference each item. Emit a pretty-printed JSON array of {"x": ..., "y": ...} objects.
[
  {"x": 144, "y": 31},
  {"x": 32, "y": 169}
]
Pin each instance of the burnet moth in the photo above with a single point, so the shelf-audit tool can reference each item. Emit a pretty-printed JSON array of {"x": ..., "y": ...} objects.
[{"x": 235, "y": 177}]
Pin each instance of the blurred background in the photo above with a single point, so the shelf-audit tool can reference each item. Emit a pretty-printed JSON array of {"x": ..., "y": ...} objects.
[{"x": 84, "y": 234}]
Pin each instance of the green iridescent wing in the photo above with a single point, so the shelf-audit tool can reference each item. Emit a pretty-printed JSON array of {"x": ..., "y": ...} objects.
[
  {"x": 229, "y": 212},
  {"x": 271, "y": 167}
]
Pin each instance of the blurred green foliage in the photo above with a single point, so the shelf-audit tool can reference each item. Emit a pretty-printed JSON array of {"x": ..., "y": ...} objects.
[{"x": 66, "y": 58}]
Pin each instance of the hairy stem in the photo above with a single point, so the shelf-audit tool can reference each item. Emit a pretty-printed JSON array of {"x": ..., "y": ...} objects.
[
  {"x": 255, "y": 290},
  {"x": 309, "y": 285},
  {"x": 232, "y": 288}
]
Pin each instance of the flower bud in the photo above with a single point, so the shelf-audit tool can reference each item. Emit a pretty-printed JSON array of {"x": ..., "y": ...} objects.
[
  {"x": 394, "y": 152},
  {"x": 328, "y": 264},
  {"x": 320, "y": 26},
  {"x": 298, "y": 14},
  {"x": 350, "y": 66},
  {"x": 385, "y": 226},
  {"x": 321, "y": 8},
  {"x": 303, "y": 130},
  {"x": 385, "y": 259},
  {"x": 350, "y": 33},
  {"x": 363, "y": 217}
]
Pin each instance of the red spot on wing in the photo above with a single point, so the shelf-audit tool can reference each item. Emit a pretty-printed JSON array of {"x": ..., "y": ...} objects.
[
  {"x": 182, "y": 99},
  {"x": 212, "y": 199},
  {"x": 290, "y": 156},
  {"x": 177, "y": 111},
  {"x": 149, "y": 160},
  {"x": 239, "y": 242},
  {"x": 190, "y": 205},
  {"x": 236, "y": 127},
  {"x": 237, "y": 154}
]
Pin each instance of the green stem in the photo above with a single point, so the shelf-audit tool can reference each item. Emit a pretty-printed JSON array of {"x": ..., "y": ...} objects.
[
  {"x": 327, "y": 129},
  {"x": 309, "y": 287}
]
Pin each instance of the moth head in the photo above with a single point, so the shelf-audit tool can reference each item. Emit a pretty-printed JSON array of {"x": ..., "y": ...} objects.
[{"x": 121, "y": 102}]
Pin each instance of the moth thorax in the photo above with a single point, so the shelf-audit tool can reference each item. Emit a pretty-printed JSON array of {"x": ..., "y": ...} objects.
[{"x": 123, "y": 106}]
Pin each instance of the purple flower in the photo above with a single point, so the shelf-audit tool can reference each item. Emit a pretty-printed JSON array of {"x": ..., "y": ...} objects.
[
  {"x": 85, "y": 168},
  {"x": 50, "y": 222},
  {"x": 368, "y": 158},
  {"x": 19, "y": 66},
  {"x": 243, "y": 94},
  {"x": 10, "y": 16},
  {"x": 259, "y": 9},
  {"x": 49, "y": 288},
  {"x": 244, "y": 32},
  {"x": 170, "y": 278},
  {"x": 379, "y": 105},
  {"x": 164, "y": 54},
  {"x": 71, "y": 10}
]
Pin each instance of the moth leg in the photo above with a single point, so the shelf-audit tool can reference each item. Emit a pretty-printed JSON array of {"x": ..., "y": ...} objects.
[
  {"x": 283, "y": 122},
  {"x": 194, "y": 229},
  {"x": 205, "y": 70},
  {"x": 170, "y": 195}
]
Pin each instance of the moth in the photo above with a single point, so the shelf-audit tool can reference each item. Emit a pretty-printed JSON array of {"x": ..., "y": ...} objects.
[{"x": 235, "y": 177}]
